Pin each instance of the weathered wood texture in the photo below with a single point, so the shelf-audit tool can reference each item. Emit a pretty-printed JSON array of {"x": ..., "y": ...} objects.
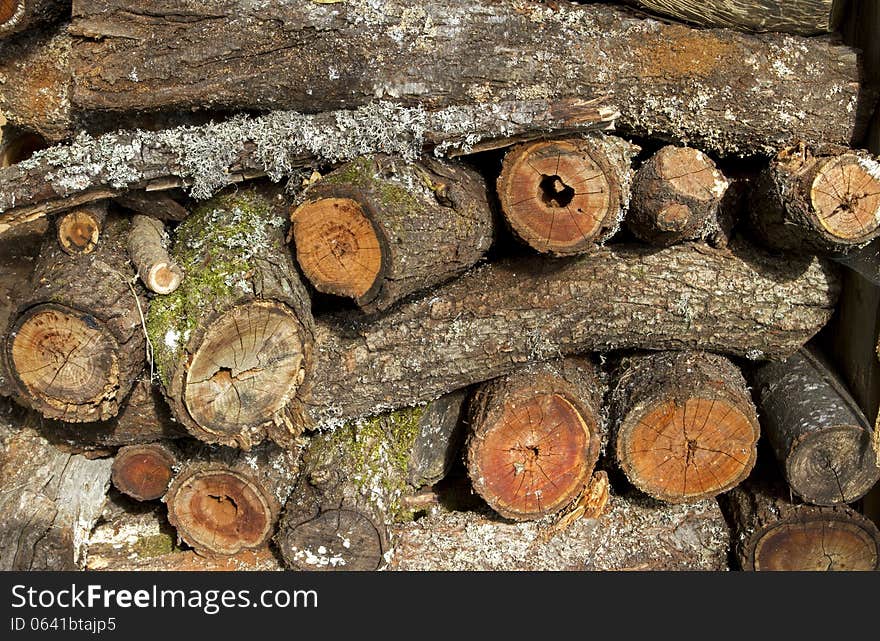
[
  {"x": 233, "y": 342},
  {"x": 143, "y": 472},
  {"x": 148, "y": 248},
  {"x": 563, "y": 197},
  {"x": 207, "y": 157},
  {"x": 49, "y": 501},
  {"x": 679, "y": 194},
  {"x": 223, "y": 500},
  {"x": 823, "y": 441},
  {"x": 772, "y": 533},
  {"x": 75, "y": 344},
  {"x": 354, "y": 483},
  {"x": 634, "y": 534},
  {"x": 717, "y": 89},
  {"x": 21, "y": 15},
  {"x": 685, "y": 427},
  {"x": 156, "y": 204},
  {"x": 380, "y": 228},
  {"x": 806, "y": 17},
  {"x": 499, "y": 316},
  {"x": 535, "y": 437},
  {"x": 36, "y": 83},
  {"x": 823, "y": 200}
]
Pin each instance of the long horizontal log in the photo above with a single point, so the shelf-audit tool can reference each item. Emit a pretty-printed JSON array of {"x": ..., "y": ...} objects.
[
  {"x": 739, "y": 301},
  {"x": 207, "y": 157},
  {"x": 720, "y": 89}
]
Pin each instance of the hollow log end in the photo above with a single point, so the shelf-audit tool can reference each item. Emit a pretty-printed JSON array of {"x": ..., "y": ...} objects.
[
  {"x": 217, "y": 510},
  {"x": 535, "y": 457},
  {"x": 557, "y": 197},
  {"x": 142, "y": 472},
  {"x": 337, "y": 247}
]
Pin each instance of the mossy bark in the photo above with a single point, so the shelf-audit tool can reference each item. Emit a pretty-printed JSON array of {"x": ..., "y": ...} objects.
[
  {"x": 241, "y": 317},
  {"x": 353, "y": 484}
]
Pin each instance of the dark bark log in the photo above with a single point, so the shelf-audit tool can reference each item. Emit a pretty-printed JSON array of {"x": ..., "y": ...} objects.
[
  {"x": 156, "y": 204},
  {"x": 439, "y": 436},
  {"x": 223, "y": 501},
  {"x": 635, "y": 534},
  {"x": 208, "y": 157},
  {"x": 535, "y": 437},
  {"x": 79, "y": 229},
  {"x": 143, "y": 472},
  {"x": 772, "y": 533},
  {"x": 821, "y": 438},
  {"x": 75, "y": 344},
  {"x": 489, "y": 322},
  {"x": 379, "y": 228},
  {"x": 805, "y": 17},
  {"x": 36, "y": 83},
  {"x": 354, "y": 484},
  {"x": 564, "y": 197},
  {"x": 20, "y": 15},
  {"x": 821, "y": 200},
  {"x": 148, "y": 247},
  {"x": 685, "y": 427},
  {"x": 49, "y": 501},
  {"x": 718, "y": 89},
  {"x": 677, "y": 195},
  {"x": 232, "y": 343}
]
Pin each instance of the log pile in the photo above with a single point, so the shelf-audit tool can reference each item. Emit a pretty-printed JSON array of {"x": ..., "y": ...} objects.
[{"x": 392, "y": 302}]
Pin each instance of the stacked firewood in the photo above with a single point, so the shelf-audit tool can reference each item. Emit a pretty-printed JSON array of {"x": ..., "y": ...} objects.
[{"x": 533, "y": 292}]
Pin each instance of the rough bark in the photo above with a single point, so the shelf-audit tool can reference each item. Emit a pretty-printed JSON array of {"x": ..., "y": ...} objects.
[
  {"x": 499, "y": 316},
  {"x": 379, "y": 228},
  {"x": 563, "y": 197},
  {"x": 772, "y": 533},
  {"x": 207, "y": 157},
  {"x": 677, "y": 195},
  {"x": 156, "y": 204},
  {"x": 717, "y": 89},
  {"x": 823, "y": 200},
  {"x": 805, "y": 17},
  {"x": 685, "y": 427},
  {"x": 821, "y": 438},
  {"x": 223, "y": 501},
  {"x": 36, "y": 83},
  {"x": 20, "y": 15},
  {"x": 49, "y": 501},
  {"x": 232, "y": 343},
  {"x": 635, "y": 534},
  {"x": 79, "y": 229},
  {"x": 535, "y": 437},
  {"x": 75, "y": 344},
  {"x": 355, "y": 482},
  {"x": 143, "y": 472},
  {"x": 148, "y": 247}
]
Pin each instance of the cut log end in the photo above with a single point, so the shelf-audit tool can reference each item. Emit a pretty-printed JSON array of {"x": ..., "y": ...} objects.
[
  {"x": 247, "y": 367},
  {"x": 673, "y": 217},
  {"x": 336, "y": 539},
  {"x": 534, "y": 459},
  {"x": 66, "y": 362},
  {"x": 691, "y": 173},
  {"x": 11, "y": 12},
  {"x": 219, "y": 511},
  {"x": 819, "y": 541},
  {"x": 682, "y": 452},
  {"x": 337, "y": 246},
  {"x": 79, "y": 231},
  {"x": 163, "y": 278},
  {"x": 832, "y": 466},
  {"x": 142, "y": 472},
  {"x": 846, "y": 198},
  {"x": 555, "y": 196}
]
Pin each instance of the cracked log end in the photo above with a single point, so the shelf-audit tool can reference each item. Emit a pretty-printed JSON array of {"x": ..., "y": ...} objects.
[
  {"x": 220, "y": 511},
  {"x": 66, "y": 363},
  {"x": 846, "y": 199},
  {"x": 143, "y": 472},
  {"x": 335, "y": 539},
  {"x": 247, "y": 367},
  {"x": 337, "y": 246},
  {"x": 534, "y": 457},
  {"x": 557, "y": 196}
]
